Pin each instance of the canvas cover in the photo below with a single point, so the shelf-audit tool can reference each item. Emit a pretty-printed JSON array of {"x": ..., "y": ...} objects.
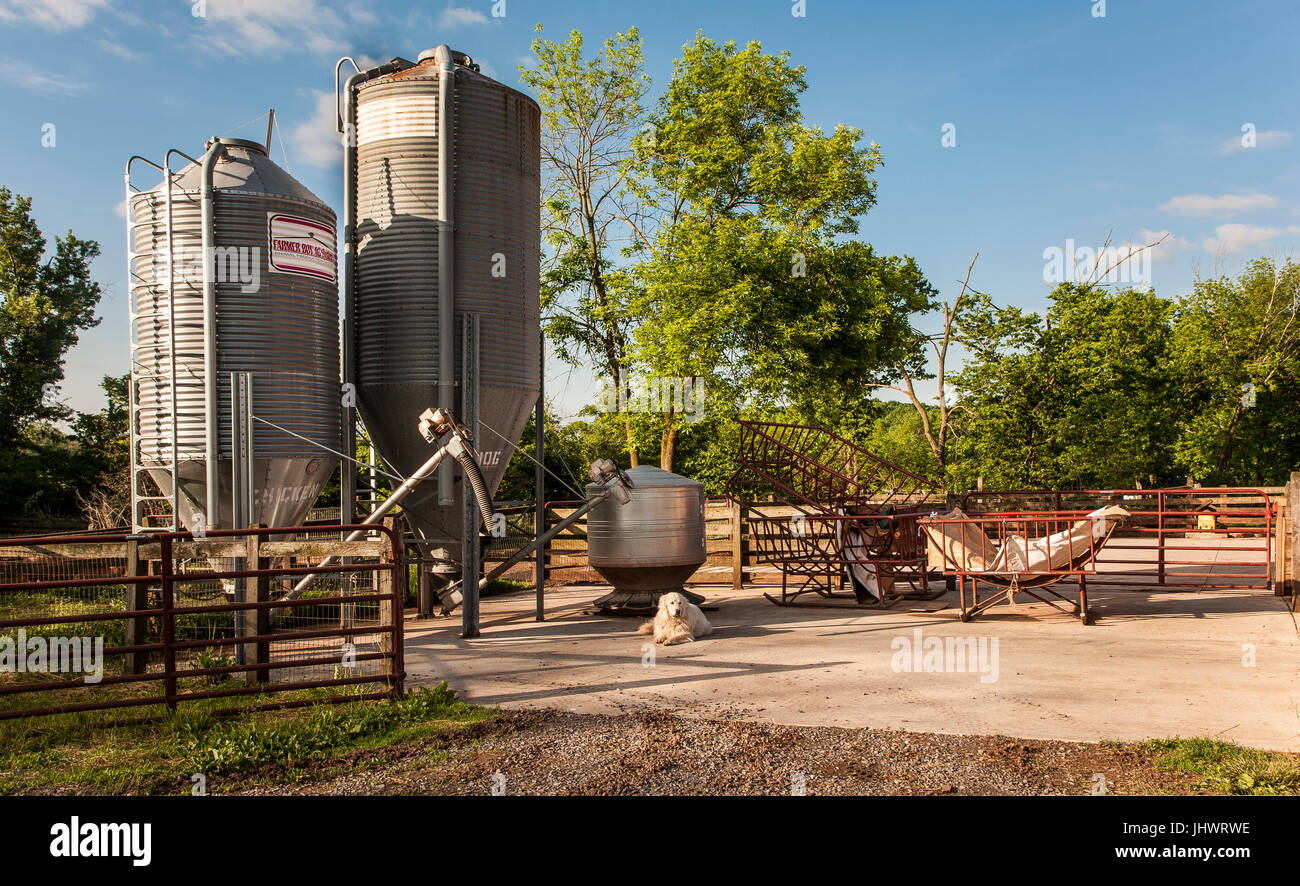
[{"x": 964, "y": 545}]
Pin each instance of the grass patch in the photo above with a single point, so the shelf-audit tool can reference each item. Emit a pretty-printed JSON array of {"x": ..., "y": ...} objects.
[
  {"x": 250, "y": 744},
  {"x": 1228, "y": 768},
  {"x": 499, "y": 586},
  {"x": 80, "y": 754}
]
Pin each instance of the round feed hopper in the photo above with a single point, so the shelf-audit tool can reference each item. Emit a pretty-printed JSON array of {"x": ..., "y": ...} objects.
[
  {"x": 447, "y": 224},
  {"x": 650, "y": 545},
  {"x": 263, "y": 300}
]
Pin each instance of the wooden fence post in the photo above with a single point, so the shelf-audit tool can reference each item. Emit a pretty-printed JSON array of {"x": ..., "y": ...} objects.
[
  {"x": 1291, "y": 539},
  {"x": 137, "y": 598},
  {"x": 1277, "y": 564},
  {"x": 255, "y": 622},
  {"x": 390, "y": 614},
  {"x": 739, "y": 548}
]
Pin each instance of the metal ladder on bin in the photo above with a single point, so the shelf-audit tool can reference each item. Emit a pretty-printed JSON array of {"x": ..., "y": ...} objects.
[{"x": 141, "y": 499}]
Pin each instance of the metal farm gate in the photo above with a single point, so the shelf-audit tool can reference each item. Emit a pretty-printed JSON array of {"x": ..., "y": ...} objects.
[
  {"x": 1219, "y": 537},
  {"x": 151, "y": 621}
]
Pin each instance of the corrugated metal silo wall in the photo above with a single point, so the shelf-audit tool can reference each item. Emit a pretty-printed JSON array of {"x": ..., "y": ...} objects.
[
  {"x": 284, "y": 330},
  {"x": 497, "y": 226}
]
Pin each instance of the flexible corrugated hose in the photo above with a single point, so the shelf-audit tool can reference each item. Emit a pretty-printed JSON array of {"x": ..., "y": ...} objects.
[{"x": 476, "y": 480}]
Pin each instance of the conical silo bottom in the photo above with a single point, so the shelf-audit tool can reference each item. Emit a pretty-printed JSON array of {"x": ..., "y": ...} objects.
[
  {"x": 284, "y": 490},
  {"x": 637, "y": 590}
]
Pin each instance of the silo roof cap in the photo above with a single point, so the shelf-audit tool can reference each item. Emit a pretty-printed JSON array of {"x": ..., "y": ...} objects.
[{"x": 241, "y": 143}]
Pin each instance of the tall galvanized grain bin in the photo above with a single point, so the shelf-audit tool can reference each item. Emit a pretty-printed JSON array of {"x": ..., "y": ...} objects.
[
  {"x": 259, "y": 296},
  {"x": 447, "y": 223}
]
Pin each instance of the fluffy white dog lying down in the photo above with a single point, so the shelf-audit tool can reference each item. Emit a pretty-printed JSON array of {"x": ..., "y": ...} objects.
[{"x": 677, "y": 621}]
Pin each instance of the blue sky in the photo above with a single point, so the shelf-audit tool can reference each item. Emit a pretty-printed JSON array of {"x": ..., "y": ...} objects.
[{"x": 1068, "y": 125}]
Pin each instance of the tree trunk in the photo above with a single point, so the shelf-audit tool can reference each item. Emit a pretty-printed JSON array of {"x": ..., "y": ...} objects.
[
  {"x": 634, "y": 457},
  {"x": 668, "y": 443},
  {"x": 1225, "y": 454},
  {"x": 622, "y": 395}
]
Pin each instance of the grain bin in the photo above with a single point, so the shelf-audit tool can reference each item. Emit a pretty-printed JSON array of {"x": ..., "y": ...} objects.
[
  {"x": 232, "y": 269},
  {"x": 441, "y": 220},
  {"x": 649, "y": 545}
]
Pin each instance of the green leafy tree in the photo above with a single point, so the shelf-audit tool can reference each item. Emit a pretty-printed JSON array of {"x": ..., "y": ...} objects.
[
  {"x": 895, "y": 431},
  {"x": 743, "y": 279},
  {"x": 1080, "y": 396},
  {"x": 1006, "y": 392},
  {"x": 591, "y": 112},
  {"x": 45, "y": 305},
  {"x": 45, "y": 302},
  {"x": 1236, "y": 348},
  {"x": 102, "y": 444}
]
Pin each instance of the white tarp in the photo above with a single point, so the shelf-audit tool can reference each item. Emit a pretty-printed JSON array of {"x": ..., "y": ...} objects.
[
  {"x": 856, "y": 555},
  {"x": 964, "y": 546}
]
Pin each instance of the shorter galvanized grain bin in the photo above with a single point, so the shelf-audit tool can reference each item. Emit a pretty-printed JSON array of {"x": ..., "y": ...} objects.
[{"x": 650, "y": 545}]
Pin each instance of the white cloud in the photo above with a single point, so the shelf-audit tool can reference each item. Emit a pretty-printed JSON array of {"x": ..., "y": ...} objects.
[
  {"x": 1234, "y": 238},
  {"x": 316, "y": 140},
  {"x": 1169, "y": 246},
  {"x": 454, "y": 17},
  {"x": 53, "y": 15},
  {"x": 46, "y": 83},
  {"x": 117, "y": 49},
  {"x": 362, "y": 16},
  {"x": 1268, "y": 138},
  {"x": 121, "y": 209},
  {"x": 262, "y": 27},
  {"x": 1225, "y": 204}
]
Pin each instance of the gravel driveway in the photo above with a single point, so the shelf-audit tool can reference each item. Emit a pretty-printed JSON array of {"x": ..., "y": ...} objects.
[{"x": 552, "y": 752}]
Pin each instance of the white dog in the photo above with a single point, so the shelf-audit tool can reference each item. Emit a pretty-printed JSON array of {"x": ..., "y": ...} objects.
[{"x": 677, "y": 621}]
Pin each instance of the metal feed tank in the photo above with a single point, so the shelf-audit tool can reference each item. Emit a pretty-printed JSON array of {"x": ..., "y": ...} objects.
[
  {"x": 252, "y": 288},
  {"x": 650, "y": 545},
  {"x": 443, "y": 215}
]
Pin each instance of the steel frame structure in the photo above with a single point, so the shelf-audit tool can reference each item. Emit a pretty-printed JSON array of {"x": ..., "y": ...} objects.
[
  {"x": 838, "y": 491},
  {"x": 1168, "y": 521},
  {"x": 997, "y": 528}
]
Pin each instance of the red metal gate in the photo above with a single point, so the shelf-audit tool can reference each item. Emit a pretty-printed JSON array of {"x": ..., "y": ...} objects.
[
  {"x": 172, "y": 618},
  {"x": 1221, "y": 537}
]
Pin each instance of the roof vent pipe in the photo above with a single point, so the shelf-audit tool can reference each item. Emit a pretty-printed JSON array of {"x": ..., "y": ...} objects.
[
  {"x": 446, "y": 60},
  {"x": 438, "y": 53}
]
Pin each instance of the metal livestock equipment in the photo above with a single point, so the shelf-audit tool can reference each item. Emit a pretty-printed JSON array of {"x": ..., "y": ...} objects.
[
  {"x": 1022, "y": 552},
  {"x": 1219, "y": 537},
  {"x": 650, "y": 544},
  {"x": 834, "y": 510}
]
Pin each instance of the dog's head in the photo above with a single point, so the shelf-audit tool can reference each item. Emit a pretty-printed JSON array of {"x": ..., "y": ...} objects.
[{"x": 674, "y": 604}]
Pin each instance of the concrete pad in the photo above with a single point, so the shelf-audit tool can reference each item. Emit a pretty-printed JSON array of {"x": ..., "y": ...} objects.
[{"x": 1156, "y": 664}]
